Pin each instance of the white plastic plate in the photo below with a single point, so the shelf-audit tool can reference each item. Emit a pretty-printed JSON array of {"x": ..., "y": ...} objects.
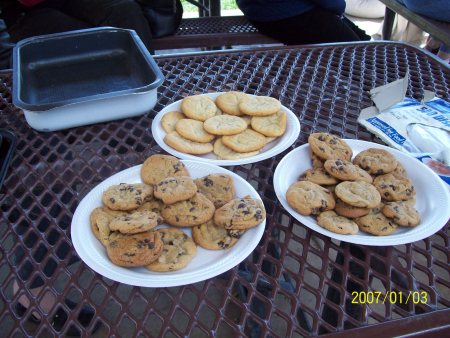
[
  {"x": 271, "y": 149},
  {"x": 206, "y": 264},
  {"x": 433, "y": 197}
]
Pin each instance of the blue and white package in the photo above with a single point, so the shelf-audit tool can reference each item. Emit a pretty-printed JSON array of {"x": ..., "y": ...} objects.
[{"x": 421, "y": 129}]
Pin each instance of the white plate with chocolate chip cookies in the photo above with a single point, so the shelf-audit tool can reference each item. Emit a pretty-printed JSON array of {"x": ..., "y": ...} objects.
[
  {"x": 225, "y": 128},
  {"x": 302, "y": 174},
  {"x": 126, "y": 199}
]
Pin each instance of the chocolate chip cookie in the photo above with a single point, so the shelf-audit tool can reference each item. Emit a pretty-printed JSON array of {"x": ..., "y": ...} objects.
[
  {"x": 376, "y": 161},
  {"x": 126, "y": 196},
  {"x": 240, "y": 214},
  {"x": 194, "y": 211},
  {"x": 218, "y": 188},
  {"x": 212, "y": 237},
  {"x": 309, "y": 198},
  {"x": 157, "y": 167},
  {"x": 319, "y": 176},
  {"x": 134, "y": 250},
  {"x": 178, "y": 250},
  {"x": 338, "y": 224},
  {"x": 376, "y": 223},
  {"x": 135, "y": 222},
  {"x": 349, "y": 211},
  {"x": 174, "y": 189},
  {"x": 358, "y": 193},
  {"x": 394, "y": 187},
  {"x": 327, "y": 146},
  {"x": 402, "y": 213},
  {"x": 346, "y": 171}
]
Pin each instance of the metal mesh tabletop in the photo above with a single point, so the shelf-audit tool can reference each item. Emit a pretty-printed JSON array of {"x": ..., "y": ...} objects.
[{"x": 296, "y": 282}]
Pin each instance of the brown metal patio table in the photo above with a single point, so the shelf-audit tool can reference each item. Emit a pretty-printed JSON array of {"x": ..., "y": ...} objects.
[{"x": 296, "y": 283}]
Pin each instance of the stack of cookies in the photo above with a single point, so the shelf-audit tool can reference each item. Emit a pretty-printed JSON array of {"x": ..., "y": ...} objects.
[
  {"x": 234, "y": 126},
  {"x": 127, "y": 223},
  {"x": 370, "y": 192}
]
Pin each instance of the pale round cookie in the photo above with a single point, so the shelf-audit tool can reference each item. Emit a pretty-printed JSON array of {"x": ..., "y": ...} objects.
[
  {"x": 194, "y": 211},
  {"x": 376, "y": 161},
  {"x": 134, "y": 250},
  {"x": 159, "y": 166},
  {"x": 376, "y": 223},
  {"x": 259, "y": 105},
  {"x": 175, "y": 189},
  {"x": 198, "y": 107},
  {"x": 135, "y": 222},
  {"x": 247, "y": 119},
  {"x": 212, "y": 237},
  {"x": 244, "y": 142},
  {"x": 338, "y": 224},
  {"x": 394, "y": 187},
  {"x": 229, "y": 102},
  {"x": 402, "y": 213},
  {"x": 178, "y": 250},
  {"x": 126, "y": 196},
  {"x": 240, "y": 214},
  {"x": 218, "y": 188},
  {"x": 225, "y": 125},
  {"x": 170, "y": 119},
  {"x": 177, "y": 142},
  {"x": 358, "y": 193},
  {"x": 270, "y": 139},
  {"x": 318, "y": 176},
  {"x": 309, "y": 198},
  {"x": 327, "y": 146},
  {"x": 225, "y": 153},
  {"x": 272, "y": 125},
  {"x": 193, "y": 130},
  {"x": 349, "y": 211},
  {"x": 346, "y": 171}
]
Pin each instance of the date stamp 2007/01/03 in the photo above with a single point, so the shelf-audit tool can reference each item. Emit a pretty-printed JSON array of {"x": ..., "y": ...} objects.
[{"x": 393, "y": 297}]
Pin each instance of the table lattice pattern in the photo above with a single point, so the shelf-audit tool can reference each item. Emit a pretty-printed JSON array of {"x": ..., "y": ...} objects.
[{"x": 296, "y": 283}]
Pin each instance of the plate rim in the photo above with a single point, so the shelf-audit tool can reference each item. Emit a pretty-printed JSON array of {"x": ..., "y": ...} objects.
[
  {"x": 290, "y": 139},
  {"x": 161, "y": 279},
  {"x": 389, "y": 240}
]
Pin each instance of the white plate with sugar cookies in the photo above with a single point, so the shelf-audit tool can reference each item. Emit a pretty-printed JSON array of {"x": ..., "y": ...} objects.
[
  {"x": 206, "y": 263},
  {"x": 432, "y": 196},
  {"x": 271, "y": 147}
]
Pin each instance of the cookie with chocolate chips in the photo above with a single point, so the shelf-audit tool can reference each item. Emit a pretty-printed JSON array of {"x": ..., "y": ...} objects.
[
  {"x": 134, "y": 250},
  {"x": 126, "y": 196},
  {"x": 178, "y": 250},
  {"x": 135, "y": 222},
  {"x": 327, "y": 146},
  {"x": 194, "y": 211},
  {"x": 376, "y": 223},
  {"x": 157, "y": 167},
  {"x": 212, "y": 237},
  {"x": 394, "y": 187},
  {"x": 346, "y": 171},
  {"x": 376, "y": 161},
  {"x": 402, "y": 213},
  {"x": 338, "y": 224},
  {"x": 319, "y": 176},
  {"x": 240, "y": 214},
  {"x": 174, "y": 189},
  {"x": 358, "y": 193},
  {"x": 309, "y": 198},
  {"x": 218, "y": 188}
]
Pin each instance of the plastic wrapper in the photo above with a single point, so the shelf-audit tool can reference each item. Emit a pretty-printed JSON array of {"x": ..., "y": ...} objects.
[{"x": 421, "y": 129}]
